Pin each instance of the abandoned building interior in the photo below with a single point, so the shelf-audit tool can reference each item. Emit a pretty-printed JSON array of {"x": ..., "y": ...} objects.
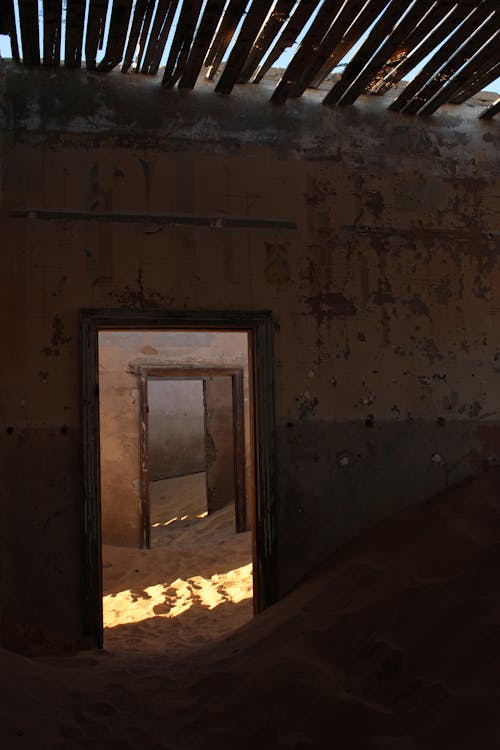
[{"x": 250, "y": 403}]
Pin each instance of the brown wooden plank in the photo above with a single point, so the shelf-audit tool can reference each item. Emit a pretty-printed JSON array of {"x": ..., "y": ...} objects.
[
  {"x": 201, "y": 45},
  {"x": 439, "y": 59},
  {"x": 160, "y": 30},
  {"x": 386, "y": 34},
  {"x": 442, "y": 94},
  {"x": 143, "y": 38},
  {"x": 8, "y": 26},
  {"x": 401, "y": 62},
  {"x": 75, "y": 19},
  {"x": 279, "y": 16},
  {"x": 229, "y": 24},
  {"x": 293, "y": 28},
  {"x": 347, "y": 42},
  {"x": 489, "y": 113},
  {"x": 441, "y": 32},
  {"x": 181, "y": 43},
  {"x": 52, "y": 12},
  {"x": 117, "y": 35},
  {"x": 144, "y": 464},
  {"x": 329, "y": 43},
  {"x": 95, "y": 31},
  {"x": 30, "y": 40},
  {"x": 306, "y": 52},
  {"x": 138, "y": 21},
  {"x": 483, "y": 76},
  {"x": 239, "y": 53}
]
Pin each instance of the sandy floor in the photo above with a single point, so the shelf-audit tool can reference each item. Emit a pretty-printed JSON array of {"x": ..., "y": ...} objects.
[
  {"x": 394, "y": 644},
  {"x": 192, "y": 588}
]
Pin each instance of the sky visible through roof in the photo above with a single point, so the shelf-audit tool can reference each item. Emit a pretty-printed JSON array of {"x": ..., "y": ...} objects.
[{"x": 282, "y": 62}]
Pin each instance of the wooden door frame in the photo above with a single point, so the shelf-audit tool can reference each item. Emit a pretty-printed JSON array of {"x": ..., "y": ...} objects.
[
  {"x": 192, "y": 372},
  {"x": 258, "y": 326}
]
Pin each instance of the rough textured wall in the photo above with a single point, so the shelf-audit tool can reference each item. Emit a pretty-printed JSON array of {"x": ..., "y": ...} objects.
[
  {"x": 381, "y": 270},
  {"x": 119, "y": 407},
  {"x": 176, "y": 428}
]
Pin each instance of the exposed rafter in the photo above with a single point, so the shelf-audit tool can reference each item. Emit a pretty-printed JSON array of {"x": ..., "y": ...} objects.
[{"x": 449, "y": 49}]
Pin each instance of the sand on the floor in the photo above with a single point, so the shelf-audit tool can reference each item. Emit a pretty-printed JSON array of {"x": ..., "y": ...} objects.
[
  {"x": 393, "y": 644},
  {"x": 194, "y": 585}
]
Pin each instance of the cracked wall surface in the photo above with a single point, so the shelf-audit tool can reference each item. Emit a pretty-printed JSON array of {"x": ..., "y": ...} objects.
[{"x": 371, "y": 236}]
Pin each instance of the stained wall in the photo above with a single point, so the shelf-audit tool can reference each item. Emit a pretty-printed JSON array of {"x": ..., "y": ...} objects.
[{"x": 371, "y": 236}]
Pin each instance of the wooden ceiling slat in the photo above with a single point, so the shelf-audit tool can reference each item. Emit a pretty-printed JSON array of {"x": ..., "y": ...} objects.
[
  {"x": 491, "y": 111},
  {"x": 228, "y": 26},
  {"x": 478, "y": 82},
  {"x": 239, "y": 53},
  {"x": 439, "y": 59},
  {"x": 332, "y": 40},
  {"x": 279, "y": 16},
  {"x": 442, "y": 94},
  {"x": 305, "y": 53},
  {"x": 199, "y": 50},
  {"x": 143, "y": 38},
  {"x": 289, "y": 35},
  {"x": 30, "y": 40},
  {"x": 387, "y": 35},
  {"x": 162, "y": 23},
  {"x": 181, "y": 43},
  {"x": 138, "y": 21},
  {"x": 401, "y": 61},
  {"x": 8, "y": 26},
  {"x": 52, "y": 12},
  {"x": 95, "y": 31},
  {"x": 75, "y": 19},
  {"x": 117, "y": 35},
  {"x": 352, "y": 35}
]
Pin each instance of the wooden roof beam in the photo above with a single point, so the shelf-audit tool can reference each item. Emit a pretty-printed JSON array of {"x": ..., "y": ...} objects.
[
  {"x": 117, "y": 35},
  {"x": 52, "y": 13},
  {"x": 385, "y": 38},
  {"x": 401, "y": 61},
  {"x": 486, "y": 73},
  {"x": 438, "y": 93},
  {"x": 30, "y": 40},
  {"x": 162, "y": 23},
  {"x": 95, "y": 31},
  {"x": 279, "y": 16},
  {"x": 75, "y": 19},
  {"x": 181, "y": 43},
  {"x": 331, "y": 49},
  {"x": 139, "y": 20},
  {"x": 489, "y": 113},
  {"x": 201, "y": 45},
  {"x": 225, "y": 33},
  {"x": 351, "y": 36},
  {"x": 248, "y": 33},
  {"x": 8, "y": 26},
  {"x": 288, "y": 36},
  {"x": 439, "y": 59},
  {"x": 306, "y": 52}
]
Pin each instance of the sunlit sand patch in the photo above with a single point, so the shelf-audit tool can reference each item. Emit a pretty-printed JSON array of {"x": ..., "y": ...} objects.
[{"x": 172, "y": 600}]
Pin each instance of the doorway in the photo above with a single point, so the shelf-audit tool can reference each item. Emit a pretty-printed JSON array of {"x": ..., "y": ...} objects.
[
  {"x": 257, "y": 328},
  {"x": 192, "y": 421}
]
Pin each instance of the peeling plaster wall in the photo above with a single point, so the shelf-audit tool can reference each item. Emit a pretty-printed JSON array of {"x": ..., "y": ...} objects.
[
  {"x": 120, "y": 353},
  {"x": 381, "y": 270}
]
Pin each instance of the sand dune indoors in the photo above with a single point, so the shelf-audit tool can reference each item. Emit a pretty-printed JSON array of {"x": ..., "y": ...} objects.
[{"x": 393, "y": 644}]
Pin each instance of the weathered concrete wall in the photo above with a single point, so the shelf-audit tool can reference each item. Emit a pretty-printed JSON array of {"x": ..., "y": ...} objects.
[
  {"x": 119, "y": 410},
  {"x": 384, "y": 296},
  {"x": 176, "y": 428}
]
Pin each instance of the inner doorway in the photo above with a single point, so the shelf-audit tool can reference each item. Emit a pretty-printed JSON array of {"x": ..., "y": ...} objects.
[
  {"x": 256, "y": 328},
  {"x": 195, "y": 427}
]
